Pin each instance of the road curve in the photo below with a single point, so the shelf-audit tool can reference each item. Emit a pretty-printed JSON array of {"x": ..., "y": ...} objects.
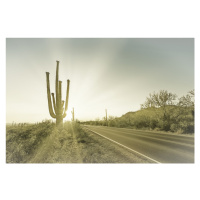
[{"x": 158, "y": 147}]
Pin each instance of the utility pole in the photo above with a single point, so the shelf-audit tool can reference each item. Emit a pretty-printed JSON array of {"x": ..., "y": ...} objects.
[{"x": 106, "y": 118}]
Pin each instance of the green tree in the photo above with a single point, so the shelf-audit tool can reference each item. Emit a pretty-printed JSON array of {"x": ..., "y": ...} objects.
[
  {"x": 188, "y": 101},
  {"x": 165, "y": 101},
  {"x": 185, "y": 114}
]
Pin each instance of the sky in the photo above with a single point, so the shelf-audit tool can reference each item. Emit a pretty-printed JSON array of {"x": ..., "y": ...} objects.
[{"x": 116, "y": 74}]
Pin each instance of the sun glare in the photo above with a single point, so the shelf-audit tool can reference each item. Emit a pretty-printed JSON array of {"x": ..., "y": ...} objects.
[{"x": 69, "y": 115}]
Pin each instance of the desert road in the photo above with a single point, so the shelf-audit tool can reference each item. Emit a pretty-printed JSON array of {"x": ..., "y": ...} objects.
[{"x": 156, "y": 147}]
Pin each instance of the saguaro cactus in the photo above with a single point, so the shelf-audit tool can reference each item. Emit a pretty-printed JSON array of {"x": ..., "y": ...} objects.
[
  {"x": 72, "y": 114},
  {"x": 57, "y": 111}
]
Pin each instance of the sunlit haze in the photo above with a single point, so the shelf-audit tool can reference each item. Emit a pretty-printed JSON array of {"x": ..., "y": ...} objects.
[{"x": 112, "y": 74}]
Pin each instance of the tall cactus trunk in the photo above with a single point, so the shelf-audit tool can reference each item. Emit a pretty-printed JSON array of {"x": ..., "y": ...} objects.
[
  {"x": 59, "y": 121},
  {"x": 59, "y": 112}
]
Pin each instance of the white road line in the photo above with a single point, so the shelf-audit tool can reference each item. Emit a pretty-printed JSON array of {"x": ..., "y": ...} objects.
[
  {"x": 154, "y": 138},
  {"x": 125, "y": 147}
]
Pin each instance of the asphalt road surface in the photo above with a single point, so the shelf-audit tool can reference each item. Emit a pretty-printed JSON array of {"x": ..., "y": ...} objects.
[{"x": 157, "y": 147}]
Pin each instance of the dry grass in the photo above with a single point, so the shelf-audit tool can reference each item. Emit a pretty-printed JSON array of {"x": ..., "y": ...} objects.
[
  {"x": 23, "y": 140},
  {"x": 44, "y": 143}
]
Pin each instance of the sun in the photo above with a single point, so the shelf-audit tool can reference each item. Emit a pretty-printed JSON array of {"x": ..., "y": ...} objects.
[{"x": 69, "y": 115}]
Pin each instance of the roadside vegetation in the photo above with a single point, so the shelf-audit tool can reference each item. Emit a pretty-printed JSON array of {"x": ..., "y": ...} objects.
[
  {"x": 45, "y": 143},
  {"x": 22, "y": 140},
  {"x": 161, "y": 111}
]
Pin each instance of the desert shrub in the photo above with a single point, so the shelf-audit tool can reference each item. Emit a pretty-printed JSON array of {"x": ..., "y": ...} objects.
[
  {"x": 153, "y": 123},
  {"x": 182, "y": 119},
  {"x": 21, "y": 141},
  {"x": 112, "y": 123}
]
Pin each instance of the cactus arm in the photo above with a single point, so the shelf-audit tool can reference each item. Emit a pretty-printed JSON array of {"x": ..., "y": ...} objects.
[
  {"x": 64, "y": 115},
  {"x": 67, "y": 95},
  {"x": 63, "y": 102},
  {"x": 59, "y": 105},
  {"x": 54, "y": 102},
  {"x": 60, "y": 92},
  {"x": 49, "y": 97},
  {"x": 67, "y": 98},
  {"x": 57, "y": 85}
]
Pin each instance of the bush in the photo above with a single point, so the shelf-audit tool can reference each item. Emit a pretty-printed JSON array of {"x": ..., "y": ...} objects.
[{"x": 21, "y": 141}]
